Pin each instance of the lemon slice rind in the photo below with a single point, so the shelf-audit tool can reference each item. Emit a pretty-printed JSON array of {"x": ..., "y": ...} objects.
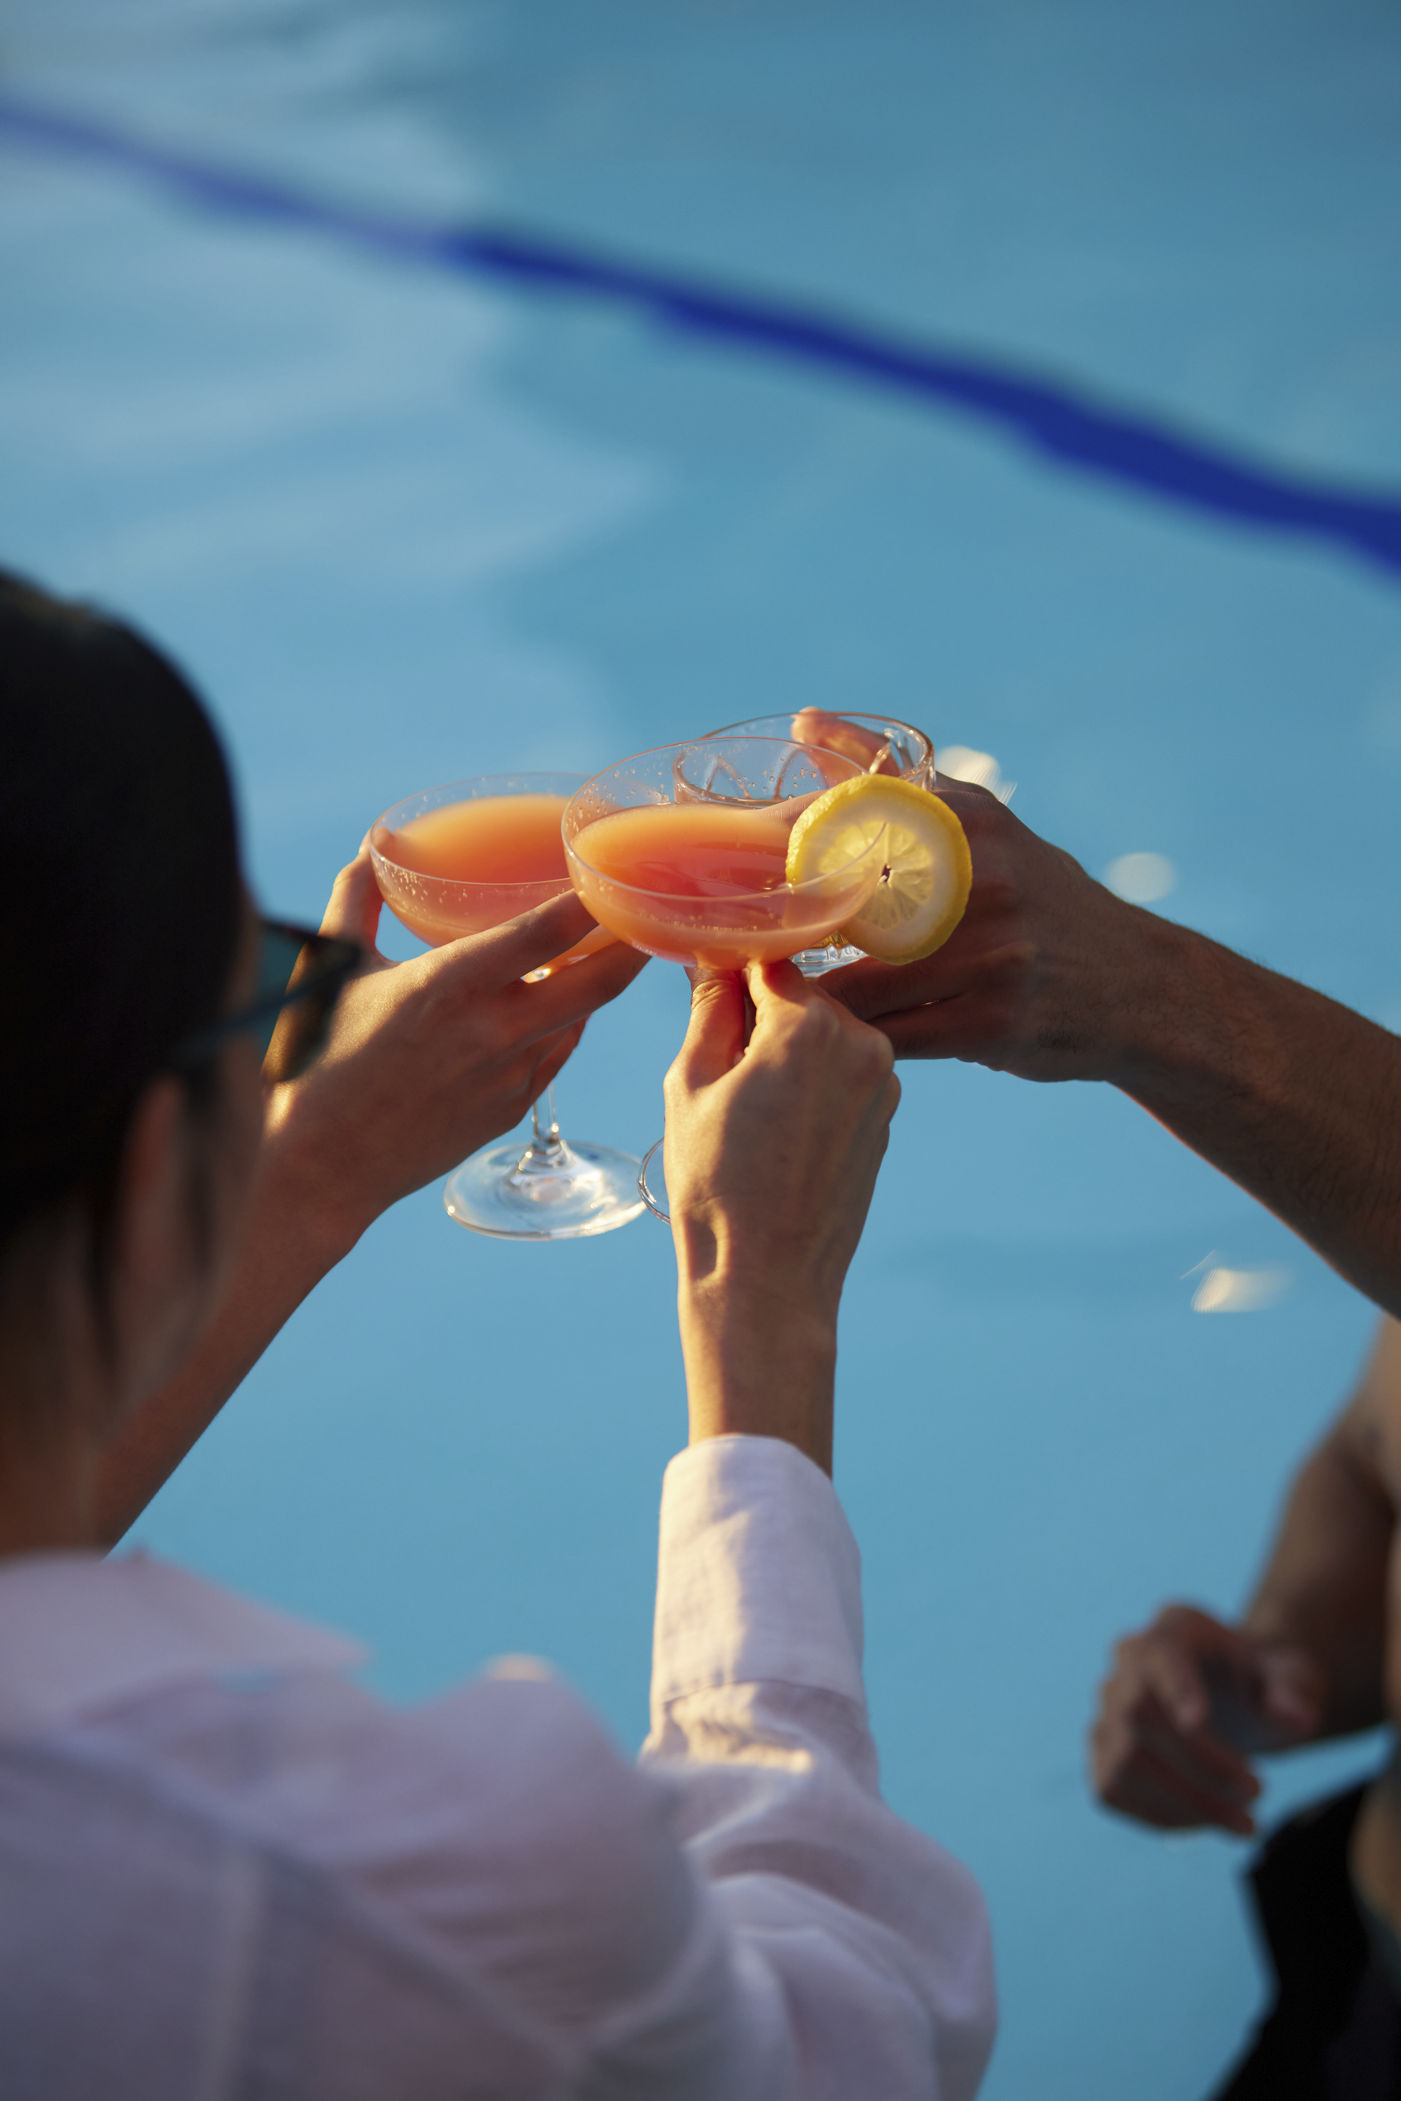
[{"x": 922, "y": 894}]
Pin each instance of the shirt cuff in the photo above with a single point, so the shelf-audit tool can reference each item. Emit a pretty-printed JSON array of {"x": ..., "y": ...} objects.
[{"x": 759, "y": 1575}]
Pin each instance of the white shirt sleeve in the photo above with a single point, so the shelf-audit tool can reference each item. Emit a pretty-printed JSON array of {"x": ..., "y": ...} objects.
[
  {"x": 742, "y": 1919},
  {"x": 855, "y": 1951}
]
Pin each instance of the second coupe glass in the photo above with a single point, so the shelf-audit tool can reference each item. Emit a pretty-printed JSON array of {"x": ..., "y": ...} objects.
[{"x": 457, "y": 860}]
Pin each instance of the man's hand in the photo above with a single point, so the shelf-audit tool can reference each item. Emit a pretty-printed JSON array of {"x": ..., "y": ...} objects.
[
  {"x": 430, "y": 1059},
  {"x": 1052, "y": 977},
  {"x": 1186, "y": 1700},
  {"x": 772, "y": 1150},
  {"x": 1049, "y": 976}
]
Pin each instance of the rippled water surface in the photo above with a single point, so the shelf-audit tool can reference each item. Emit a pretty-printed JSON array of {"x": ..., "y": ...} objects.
[{"x": 412, "y": 510}]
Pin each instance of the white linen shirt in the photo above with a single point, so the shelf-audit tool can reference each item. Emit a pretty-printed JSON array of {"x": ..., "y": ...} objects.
[{"x": 227, "y": 1873}]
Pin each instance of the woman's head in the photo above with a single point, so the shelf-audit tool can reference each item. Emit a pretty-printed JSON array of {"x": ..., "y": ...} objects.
[{"x": 124, "y": 911}]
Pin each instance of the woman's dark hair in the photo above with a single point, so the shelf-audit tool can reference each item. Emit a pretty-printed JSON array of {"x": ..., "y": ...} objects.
[{"x": 122, "y": 900}]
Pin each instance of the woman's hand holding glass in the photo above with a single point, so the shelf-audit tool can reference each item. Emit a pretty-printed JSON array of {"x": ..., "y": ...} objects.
[
  {"x": 774, "y": 1136},
  {"x": 460, "y": 859},
  {"x": 430, "y": 1059}
]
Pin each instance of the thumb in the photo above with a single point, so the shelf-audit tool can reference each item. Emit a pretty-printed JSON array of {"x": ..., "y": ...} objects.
[
  {"x": 355, "y": 902},
  {"x": 715, "y": 1036},
  {"x": 779, "y": 992}
]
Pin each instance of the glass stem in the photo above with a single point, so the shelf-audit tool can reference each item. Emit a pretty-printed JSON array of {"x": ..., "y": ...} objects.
[{"x": 544, "y": 1132}]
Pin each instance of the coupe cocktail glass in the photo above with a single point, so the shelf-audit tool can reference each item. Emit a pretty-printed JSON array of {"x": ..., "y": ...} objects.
[
  {"x": 457, "y": 860},
  {"x": 877, "y": 744},
  {"x": 682, "y": 852}
]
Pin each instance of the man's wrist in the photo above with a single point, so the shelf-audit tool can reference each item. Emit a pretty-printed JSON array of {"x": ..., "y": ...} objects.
[
  {"x": 1177, "y": 1001},
  {"x": 1228, "y": 1053}
]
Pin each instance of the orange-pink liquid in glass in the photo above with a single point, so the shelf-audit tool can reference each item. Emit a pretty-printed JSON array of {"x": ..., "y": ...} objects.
[
  {"x": 699, "y": 883},
  {"x": 471, "y": 865}
]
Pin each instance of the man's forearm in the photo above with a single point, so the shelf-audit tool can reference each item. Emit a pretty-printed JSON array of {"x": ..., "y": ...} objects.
[{"x": 1294, "y": 1097}]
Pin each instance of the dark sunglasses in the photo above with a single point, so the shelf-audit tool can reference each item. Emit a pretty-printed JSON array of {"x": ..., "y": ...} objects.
[{"x": 301, "y": 975}]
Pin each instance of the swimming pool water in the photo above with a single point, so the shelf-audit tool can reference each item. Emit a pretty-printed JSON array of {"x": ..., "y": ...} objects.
[{"x": 408, "y": 518}]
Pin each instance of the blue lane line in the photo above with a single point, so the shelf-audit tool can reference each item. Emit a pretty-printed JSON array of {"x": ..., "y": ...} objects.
[{"x": 1152, "y": 458}]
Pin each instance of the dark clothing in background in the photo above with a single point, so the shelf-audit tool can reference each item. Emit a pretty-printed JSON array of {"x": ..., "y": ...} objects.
[{"x": 1333, "y": 2032}]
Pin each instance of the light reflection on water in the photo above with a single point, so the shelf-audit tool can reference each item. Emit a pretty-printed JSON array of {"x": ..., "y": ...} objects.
[{"x": 404, "y": 530}]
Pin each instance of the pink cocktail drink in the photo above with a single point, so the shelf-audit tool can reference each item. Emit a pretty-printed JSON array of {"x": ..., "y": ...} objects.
[
  {"x": 466, "y": 866},
  {"x": 688, "y": 862}
]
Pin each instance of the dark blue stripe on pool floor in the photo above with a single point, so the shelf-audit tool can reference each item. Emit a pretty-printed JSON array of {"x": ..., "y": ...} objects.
[{"x": 1131, "y": 449}]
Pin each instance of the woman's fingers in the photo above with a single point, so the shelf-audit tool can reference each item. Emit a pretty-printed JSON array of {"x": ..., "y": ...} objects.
[
  {"x": 570, "y": 995},
  {"x": 781, "y": 983},
  {"x": 490, "y": 965},
  {"x": 715, "y": 1033},
  {"x": 786, "y": 1002},
  {"x": 517, "y": 946},
  {"x": 781, "y": 998},
  {"x": 353, "y": 909}
]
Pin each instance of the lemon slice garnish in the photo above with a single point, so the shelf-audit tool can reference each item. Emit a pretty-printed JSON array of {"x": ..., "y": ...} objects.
[{"x": 928, "y": 874}]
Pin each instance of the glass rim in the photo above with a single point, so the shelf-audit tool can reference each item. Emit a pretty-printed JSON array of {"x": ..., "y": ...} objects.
[
  {"x": 856, "y": 715},
  {"x": 475, "y": 780},
  {"x": 719, "y": 898}
]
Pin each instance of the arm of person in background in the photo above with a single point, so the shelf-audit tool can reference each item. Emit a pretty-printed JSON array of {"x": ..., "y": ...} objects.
[
  {"x": 1052, "y": 977},
  {"x": 1191, "y": 1698},
  {"x": 427, "y": 1060}
]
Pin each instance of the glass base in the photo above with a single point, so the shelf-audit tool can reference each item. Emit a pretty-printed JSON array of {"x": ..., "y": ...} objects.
[
  {"x": 816, "y": 962},
  {"x": 558, "y": 1191}
]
